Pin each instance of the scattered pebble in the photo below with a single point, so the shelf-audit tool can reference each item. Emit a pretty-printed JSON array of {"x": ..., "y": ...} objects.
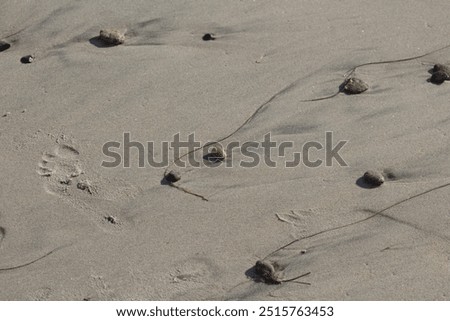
[
  {"x": 438, "y": 77},
  {"x": 353, "y": 86},
  {"x": 373, "y": 178},
  {"x": 208, "y": 37},
  {"x": 269, "y": 272},
  {"x": 112, "y": 37},
  {"x": 4, "y": 46},
  {"x": 111, "y": 219},
  {"x": 217, "y": 153},
  {"x": 28, "y": 59},
  {"x": 173, "y": 176},
  {"x": 441, "y": 67}
]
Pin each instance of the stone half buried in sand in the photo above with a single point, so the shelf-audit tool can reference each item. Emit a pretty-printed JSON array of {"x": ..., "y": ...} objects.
[
  {"x": 268, "y": 272},
  {"x": 441, "y": 67},
  {"x": 208, "y": 37},
  {"x": 373, "y": 178},
  {"x": 4, "y": 46},
  {"x": 172, "y": 176},
  {"x": 112, "y": 37},
  {"x": 439, "y": 74},
  {"x": 28, "y": 59},
  {"x": 438, "y": 77},
  {"x": 354, "y": 86},
  {"x": 216, "y": 153}
]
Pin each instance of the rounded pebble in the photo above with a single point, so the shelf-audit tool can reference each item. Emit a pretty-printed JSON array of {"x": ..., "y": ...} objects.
[
  {"x": 438, "y": 77},
  {"x": 373, "y": 178},
  {"x": 353, "y": 86},
  {"x": 441, "y": 67},
  {"x": 112, "y": 37},
  {"x": 217, "y": 153},
  {"x": 28, "y": 59},
  {"x": 208, "y": 37}
]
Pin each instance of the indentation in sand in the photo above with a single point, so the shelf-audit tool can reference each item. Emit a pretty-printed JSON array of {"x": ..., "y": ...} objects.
[{"x": 64, "y": 176}]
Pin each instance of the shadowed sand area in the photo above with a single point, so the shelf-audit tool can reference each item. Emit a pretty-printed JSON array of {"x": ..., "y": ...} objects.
[{"x": 71, "y": 229}]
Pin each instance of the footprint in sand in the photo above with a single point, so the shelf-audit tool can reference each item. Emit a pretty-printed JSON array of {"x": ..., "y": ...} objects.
[
  {"x": 60, "y": 168},
  {"x": 193, "y": 279},
  {"x": 65, "y": 177}
]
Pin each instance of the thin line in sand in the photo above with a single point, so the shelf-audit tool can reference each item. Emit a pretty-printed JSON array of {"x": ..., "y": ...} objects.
[
  {"x": 362, "y": 220},
  {"x": 34, "y": 261},
  {"x": 291, "y": 86}
]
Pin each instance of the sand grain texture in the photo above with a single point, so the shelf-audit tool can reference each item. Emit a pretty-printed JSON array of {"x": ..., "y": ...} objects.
[{"x": 122, "y": 234}]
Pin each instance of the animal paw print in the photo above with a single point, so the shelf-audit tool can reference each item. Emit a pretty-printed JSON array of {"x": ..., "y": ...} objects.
[{"x": 61, "y": 168}]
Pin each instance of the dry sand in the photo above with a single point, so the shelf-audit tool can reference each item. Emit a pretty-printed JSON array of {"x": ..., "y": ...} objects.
[{"x": 168, "y": 245}]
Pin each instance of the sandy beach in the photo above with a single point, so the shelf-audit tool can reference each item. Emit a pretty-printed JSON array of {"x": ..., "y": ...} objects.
[{"x": 72, "y": 228}]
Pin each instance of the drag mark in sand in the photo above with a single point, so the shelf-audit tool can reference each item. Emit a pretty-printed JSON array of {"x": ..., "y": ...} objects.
[
  {"x": 349, "y": 86},
  {"x": 34, "y": 261},
  {"x": 172, "y": 177},
  {"x": 374, "y": 214}
]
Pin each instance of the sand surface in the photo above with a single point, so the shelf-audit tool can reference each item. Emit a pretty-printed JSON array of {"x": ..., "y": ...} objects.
[{"x": 168, "y": 245}]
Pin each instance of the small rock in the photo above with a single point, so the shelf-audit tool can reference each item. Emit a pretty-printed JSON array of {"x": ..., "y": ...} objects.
[
  {"x": 111, "y": 219},
  {"x": 353, "y": 86},
  {"x": 438, "y": 77},
  {"x": 269, "y": 272},
  {"x": 6, "y": 114},
  {"x": 441, "y": 67},
  {"x": 373, "y": 178},
  {"x": 28, "y": 59},
  {"x": 4, "y": 46},
  {"x": 208, "y": 37},
  {"x": 173, "y": 176},
  {"x": 217, "y": 153},
  {"x": 112, "y": 37}
]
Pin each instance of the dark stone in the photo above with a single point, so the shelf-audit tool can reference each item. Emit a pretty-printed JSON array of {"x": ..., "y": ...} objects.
[
  {"x": 269, "y": 272},
  {"x": 173, "y": 176},
  {"x": 353, "y": 86},
  {"x": 4, "y": 46},
  {"x": 438, "y": 77},
  {"x": 28, "y": 59},
  {"x": 373, "y": 178},
  {"x": 441, "y": 67},
  {"x": 208, "y": 37}
]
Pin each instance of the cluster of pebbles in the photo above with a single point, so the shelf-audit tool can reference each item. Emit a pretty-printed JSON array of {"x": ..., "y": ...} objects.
[{"x": 25, "y": 59}]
